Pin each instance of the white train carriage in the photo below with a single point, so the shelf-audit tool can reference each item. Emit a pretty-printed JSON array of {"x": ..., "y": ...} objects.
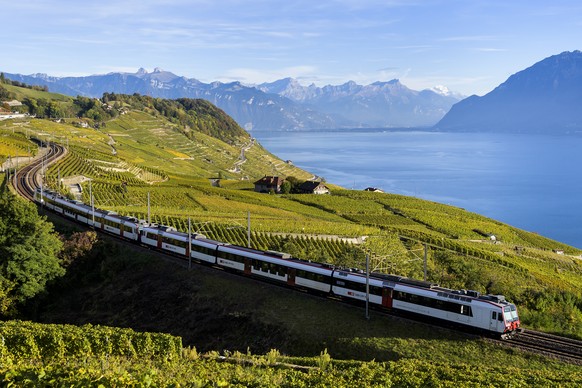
[
  {"x": 350, "y": 284},
  {"x": 164, "y": 237},
  {"x": 50, "y": 200},
  {"x": 76, "y": 210},
  {"x": 240, "y": 259},
  {"x": 126, "y": 227},
  {"x": 313, "y": 276},
  {"x": 469, "y": 308}
]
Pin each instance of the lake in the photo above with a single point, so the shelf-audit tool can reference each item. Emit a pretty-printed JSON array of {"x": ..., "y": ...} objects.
[{"x": 532, "y": 182}]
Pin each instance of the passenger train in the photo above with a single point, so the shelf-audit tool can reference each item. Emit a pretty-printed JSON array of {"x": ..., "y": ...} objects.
[{"x": 491, "y": 314}]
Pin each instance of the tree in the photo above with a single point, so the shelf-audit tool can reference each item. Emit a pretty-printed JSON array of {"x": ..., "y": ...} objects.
[
  {"x": 295, "y": 183},
  {"x": 28, "y": 251},
  {"x": 286, "y": 187},
  {"x": 5, "y": 94}
]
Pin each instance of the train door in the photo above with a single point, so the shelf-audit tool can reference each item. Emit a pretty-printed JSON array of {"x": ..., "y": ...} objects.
[
  {"x": 138, "y": 231},
  {"x": 495, "y": 319},
  {"x": 387, "y": 297},
  {"x": 291, "y": 276},
  {"x": 248, "y": 264}
]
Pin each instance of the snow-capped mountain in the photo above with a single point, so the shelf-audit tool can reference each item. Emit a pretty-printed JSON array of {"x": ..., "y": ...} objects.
[{"x": 380, "y": 104}]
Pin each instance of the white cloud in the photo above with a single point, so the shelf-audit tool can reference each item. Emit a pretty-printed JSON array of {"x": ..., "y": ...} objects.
[{"x": 257, "y": 76}]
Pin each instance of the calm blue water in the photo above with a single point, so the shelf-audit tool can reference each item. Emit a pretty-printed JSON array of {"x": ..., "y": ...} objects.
[{"x": 532, "y": 182}]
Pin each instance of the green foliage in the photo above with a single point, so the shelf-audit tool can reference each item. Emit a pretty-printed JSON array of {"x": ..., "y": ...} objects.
[
  {"x": 77, "y": 246},
  {"x": 92, "y": 365},
  {"x": 193, "y": 115},
  {"x": 28, "y": 251},
  {"x": 34, "y": 341},
  {"x": 44, "y": 108},
  {"x": 5, "y": 94}
]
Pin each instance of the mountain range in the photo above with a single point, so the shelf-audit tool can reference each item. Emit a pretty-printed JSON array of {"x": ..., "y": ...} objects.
[
  {"x": 544, "y": 98},
  {"x": 282, "y": 105}
]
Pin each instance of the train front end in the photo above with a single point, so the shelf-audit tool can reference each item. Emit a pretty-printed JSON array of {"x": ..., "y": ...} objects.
[{"x": 512, "y": 323}]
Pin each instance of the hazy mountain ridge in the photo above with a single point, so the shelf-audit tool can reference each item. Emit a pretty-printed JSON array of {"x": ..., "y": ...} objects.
[
  {"x": 281, "y": 105},
  {"x": 380, "y": 104},
  {"x": 544, "y": 98}
]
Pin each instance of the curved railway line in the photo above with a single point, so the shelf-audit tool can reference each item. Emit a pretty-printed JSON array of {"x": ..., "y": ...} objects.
[{"x": 28, "y": 179}]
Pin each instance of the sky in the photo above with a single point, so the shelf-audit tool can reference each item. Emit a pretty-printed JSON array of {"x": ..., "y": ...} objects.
[{"x": 469, "y": 46}]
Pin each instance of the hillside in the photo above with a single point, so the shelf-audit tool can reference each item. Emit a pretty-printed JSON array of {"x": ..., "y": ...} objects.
[
  {"x": 153, "y": 158},
  {"x": 140, "y": 153}
]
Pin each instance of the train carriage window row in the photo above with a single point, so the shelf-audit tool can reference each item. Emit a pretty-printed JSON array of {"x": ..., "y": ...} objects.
[
  {"x": 230, "y": 256},
  {"x": 264, "y": 266},
  {"x": 313, "y": 276},
  {"x": 204, "y": 250},
  {"x": 438, "y": 304},
  {"x": 361, "y": 287},
  {"x": 175, "y": 242}
]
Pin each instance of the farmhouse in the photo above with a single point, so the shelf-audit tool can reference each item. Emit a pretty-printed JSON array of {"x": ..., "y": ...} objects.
[
  {"x": 313, "y": 187},
  {"x": 269, "y": 183}
]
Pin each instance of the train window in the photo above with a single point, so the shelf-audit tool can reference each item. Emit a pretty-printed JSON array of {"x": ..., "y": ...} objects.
[
  {"x": 374, "y": 290},
  {"x": 231, "y": 256},
  {"x": 466, "y": 310},
  {"x": 500, "y": 317},
  {"x": 203, "y": 250},
  {"x": 280, "y": 270},
  {"x": 494, "y": 315}
]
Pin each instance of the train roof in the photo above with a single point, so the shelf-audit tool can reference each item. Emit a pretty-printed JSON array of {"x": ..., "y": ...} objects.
[{"x": 170, "y": 231}]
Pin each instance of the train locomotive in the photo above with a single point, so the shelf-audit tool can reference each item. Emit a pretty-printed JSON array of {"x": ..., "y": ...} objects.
[{"x": 490, "y": 314}]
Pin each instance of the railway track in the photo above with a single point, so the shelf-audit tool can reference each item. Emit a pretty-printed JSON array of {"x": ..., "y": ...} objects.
[
  {"x": 554, "y": 346},
  {"x": 29, "y": 178}
]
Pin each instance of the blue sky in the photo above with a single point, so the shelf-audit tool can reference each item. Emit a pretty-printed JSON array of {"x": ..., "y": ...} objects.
[{"x": 469, "y": 46}]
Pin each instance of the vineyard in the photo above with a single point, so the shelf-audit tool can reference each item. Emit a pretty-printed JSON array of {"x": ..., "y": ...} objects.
[
  {"x": 15, "y": 145},
  {"x": 45, "y": 342},
  {"x": 142, "y": 154}
]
